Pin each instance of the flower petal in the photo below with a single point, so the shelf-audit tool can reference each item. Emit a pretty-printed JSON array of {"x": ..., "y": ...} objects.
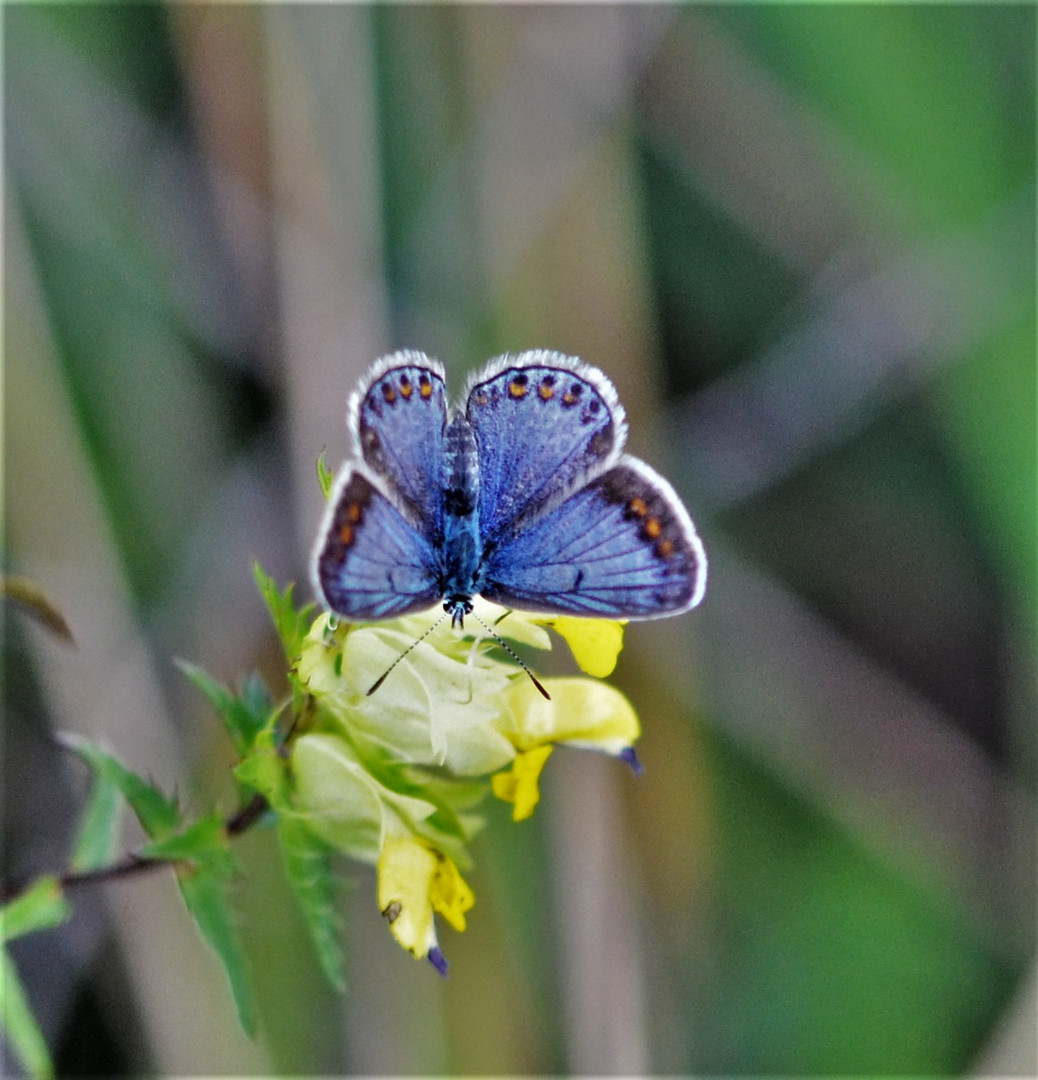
[
  {"x": 595, "y": 643},
  {"x": 519, "y": 784}
]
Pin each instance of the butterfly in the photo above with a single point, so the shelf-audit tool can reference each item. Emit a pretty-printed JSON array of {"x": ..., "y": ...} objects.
[{"x": 521, "y": 495}]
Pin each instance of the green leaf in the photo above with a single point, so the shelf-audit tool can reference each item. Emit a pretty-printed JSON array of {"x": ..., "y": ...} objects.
[
  {"x": 291, "y": 625},
  {"x": 204, "y": 889},
  {"x": 40, "y": 907},
  {"x": 245, "y": 715},
  {"x": 97, "y": 842},
  {"x": 308, "y": 866},
  {"x": 204, "y": 842},
  {"x": 325, "y": 476},
  {"x": 19, "y": 1025},
  {"x": 158, "y": 815}
]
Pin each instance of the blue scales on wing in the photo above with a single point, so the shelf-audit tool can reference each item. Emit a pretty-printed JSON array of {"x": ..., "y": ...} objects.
[
  {"x": 622, "y": 546},
  {"x": 398, "y": 426},
  {"x": 373, "y": 563},
  {"x": 543, "y": 423}
]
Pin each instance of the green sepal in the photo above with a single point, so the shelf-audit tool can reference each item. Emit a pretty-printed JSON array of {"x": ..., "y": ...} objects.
[
  {"x": 244, "y": 715},
  {"x": 308, "y": 867},
  {"x": 291, "y": 624},
  {"x": 19, "y": 1025},
  {"x": 265, "y": 770},
  {"x": 159, "y": 816},
  {"x": 203, "y": 885},
  {"x": 40, "y": 907}
]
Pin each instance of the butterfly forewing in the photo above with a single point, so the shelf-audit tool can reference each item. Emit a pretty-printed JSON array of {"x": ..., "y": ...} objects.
[
  {"x": 543, "y": 423},
  {"x": 399, "y": 422},
  {"x": 621, "y": 546}
]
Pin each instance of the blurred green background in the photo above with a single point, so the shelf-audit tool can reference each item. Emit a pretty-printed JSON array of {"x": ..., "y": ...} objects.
[{"x": 801, "y": 240}]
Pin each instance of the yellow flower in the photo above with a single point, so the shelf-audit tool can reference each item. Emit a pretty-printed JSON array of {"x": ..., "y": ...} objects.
[
  {"x": 414, "y": 882},
  {"x": 595, "y": 643},
  {"x": 518, "y": 785}
]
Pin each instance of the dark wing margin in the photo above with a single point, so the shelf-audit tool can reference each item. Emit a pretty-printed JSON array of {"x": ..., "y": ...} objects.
[
  {"x": 623, "y": 546},
  {"x": 370, "y": 562}
]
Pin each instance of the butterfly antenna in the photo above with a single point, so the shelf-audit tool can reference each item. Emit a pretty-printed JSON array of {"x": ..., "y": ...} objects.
[
  {"x": 414, "y": 644},
  {"x": 512, "y": 653}
]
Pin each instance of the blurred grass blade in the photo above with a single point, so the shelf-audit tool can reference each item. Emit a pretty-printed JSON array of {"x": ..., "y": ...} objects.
[
  {"x": 308, "y": 865},
  {"x": 19, "y": 1025},
  {"x": 24, "y": 593}
]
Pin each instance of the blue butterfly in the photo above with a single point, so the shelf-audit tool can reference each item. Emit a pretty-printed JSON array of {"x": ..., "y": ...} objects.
[{"x": 523, "y": 497}]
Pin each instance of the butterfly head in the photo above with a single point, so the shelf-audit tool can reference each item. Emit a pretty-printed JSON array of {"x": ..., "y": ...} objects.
[{"x": 458, "y": 607}]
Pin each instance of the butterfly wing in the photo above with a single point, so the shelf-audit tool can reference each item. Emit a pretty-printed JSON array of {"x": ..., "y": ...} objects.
[
  {"x": 543, "y": 422},
  {"x": 398, "y": 418},
  {"x": 371, "y": 561},
  {"x": 622, "y": 545}
]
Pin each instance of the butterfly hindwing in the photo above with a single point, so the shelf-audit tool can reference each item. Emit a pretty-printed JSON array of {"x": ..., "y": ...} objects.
[
  {"x": 398, "y": 421},
  {"x": 542, "y": 422},
  {"x": 622, "y": 545},
  {"x": 371, "y": 562}
]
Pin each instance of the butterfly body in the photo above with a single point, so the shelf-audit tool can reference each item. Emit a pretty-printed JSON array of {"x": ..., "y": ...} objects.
[{"x": 522, "y": 495}]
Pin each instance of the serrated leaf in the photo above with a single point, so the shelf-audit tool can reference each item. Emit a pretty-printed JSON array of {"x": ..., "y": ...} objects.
[
  {"x": 159, "y": 816},
  {"x": 39, "y": 907},
  {"x": 206, "y": 895},
  {"x": 19, "y": 1025},
  {"x": 204, "y": 842},
  {"x": 291, "y": 625},
  {"x": 244, "y": 716},
  {"x": 308, "y": 866}
]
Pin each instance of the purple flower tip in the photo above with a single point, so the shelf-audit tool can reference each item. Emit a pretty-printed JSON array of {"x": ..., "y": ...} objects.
[
  {"x": 438, "y": 960},
  {"x": 628, "y": 755}
]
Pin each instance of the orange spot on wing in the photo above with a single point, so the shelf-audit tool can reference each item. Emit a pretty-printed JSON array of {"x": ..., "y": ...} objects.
[
  {"x": 638, "y": 507},
  {"x": 652, "y": 528},
  {"x": 388, "y": 393},
  {"x": 518, "y": 388},
  {"x": 665, "y": 548},
  {"x": 354, "y": 512},
  {"x": 405, "y": 386},
  {"x": 546, "y": 390},
  {"x": 346, "y": 534}
]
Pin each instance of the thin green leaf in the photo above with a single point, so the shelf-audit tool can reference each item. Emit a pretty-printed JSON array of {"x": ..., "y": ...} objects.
[
  {"x": 244, "y": 715},
  {"x": 308, "y": 866},
  {"x": 158, "y": 815},
  {"x": 40, "y": 907},
  {"x": 19, "y": 1025},
  {"x": 325, "y": 476},
  {"x": 291, "y": 625},
  {"x": 97, "y": 842},
  {"x": 205, "y": 893}
]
